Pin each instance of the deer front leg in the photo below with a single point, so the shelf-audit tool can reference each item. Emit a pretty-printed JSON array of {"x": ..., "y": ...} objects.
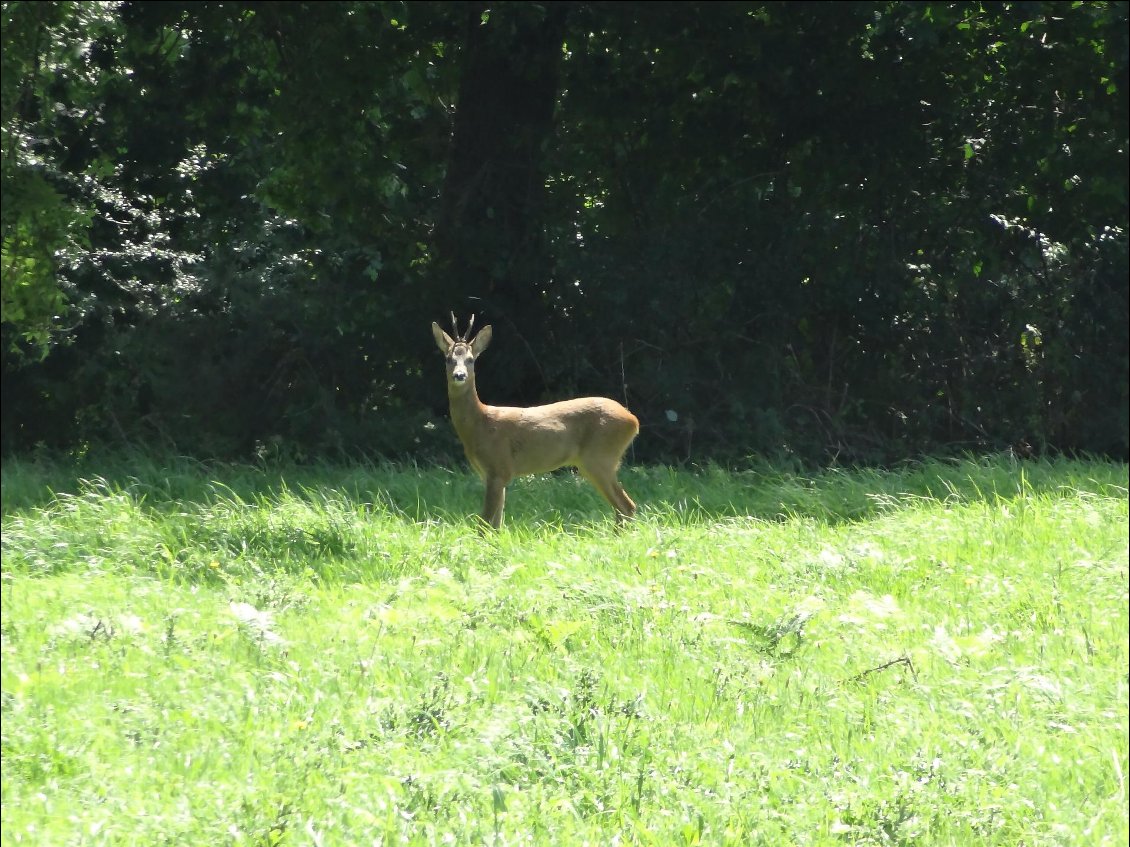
[{"x": 494, "y": 500}]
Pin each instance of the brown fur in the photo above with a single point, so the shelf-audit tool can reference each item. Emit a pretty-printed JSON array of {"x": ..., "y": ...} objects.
[{"x": 502, "y": 442}]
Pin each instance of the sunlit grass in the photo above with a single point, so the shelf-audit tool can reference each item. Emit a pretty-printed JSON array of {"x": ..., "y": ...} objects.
[{"x": 214, "y": 654}]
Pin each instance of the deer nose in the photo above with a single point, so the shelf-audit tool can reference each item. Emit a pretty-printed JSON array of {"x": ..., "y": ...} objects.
[{"x": 459, "y": 376}]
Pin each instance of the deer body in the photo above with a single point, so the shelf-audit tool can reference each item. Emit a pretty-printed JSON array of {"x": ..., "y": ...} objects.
[{"x": 502, "y": 442}]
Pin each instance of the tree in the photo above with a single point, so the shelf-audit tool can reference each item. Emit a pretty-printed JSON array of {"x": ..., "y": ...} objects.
[
  {"x": 490, "y": 230},
  {"x": 851, "y": 231}
]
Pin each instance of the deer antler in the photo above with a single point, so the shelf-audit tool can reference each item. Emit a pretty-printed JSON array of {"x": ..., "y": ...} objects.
[{"x": 455, "y": 328}]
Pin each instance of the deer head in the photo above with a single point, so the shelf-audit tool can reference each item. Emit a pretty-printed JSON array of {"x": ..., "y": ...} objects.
[{"x": 461, "y": 351}]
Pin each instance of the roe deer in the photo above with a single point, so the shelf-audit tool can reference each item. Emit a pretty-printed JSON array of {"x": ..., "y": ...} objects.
[{"x": 502, "y": 442}]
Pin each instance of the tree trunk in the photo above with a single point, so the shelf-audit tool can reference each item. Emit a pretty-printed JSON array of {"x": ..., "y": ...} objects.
[{"x": 490, "y": 239}]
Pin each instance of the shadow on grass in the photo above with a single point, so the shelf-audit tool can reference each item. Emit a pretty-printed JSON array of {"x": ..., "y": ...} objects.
[
  {"x": 838, "y": 495},
  {"x": 241, "y": 525},
  {"x": 434, "y": 493}
]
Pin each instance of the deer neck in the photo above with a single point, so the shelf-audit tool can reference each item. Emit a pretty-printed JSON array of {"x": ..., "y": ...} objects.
[{"x": 467, "y": 411}]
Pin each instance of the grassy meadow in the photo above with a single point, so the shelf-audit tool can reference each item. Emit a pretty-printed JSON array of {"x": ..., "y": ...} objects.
[{"x": 213, "y": 654}]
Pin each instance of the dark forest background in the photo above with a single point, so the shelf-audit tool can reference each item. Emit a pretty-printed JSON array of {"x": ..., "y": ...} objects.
[{"x": 846, "y": 232}]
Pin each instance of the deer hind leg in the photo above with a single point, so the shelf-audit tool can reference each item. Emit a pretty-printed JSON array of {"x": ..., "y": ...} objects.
[
  {"x": 605, "y": 482},
  {"x": 599, "y": 465},
  {"x": 628, "y": 506},
  {"x": 494, "y": 501}
]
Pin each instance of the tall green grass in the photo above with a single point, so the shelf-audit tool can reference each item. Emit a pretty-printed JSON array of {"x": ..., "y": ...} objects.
[{"x": 215, "y": 654}]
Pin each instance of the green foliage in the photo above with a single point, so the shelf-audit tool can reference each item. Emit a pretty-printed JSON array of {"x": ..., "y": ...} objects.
[
  {"x": 39, "y": 223},
  {"x": 824, "y": 265},
  {"x": 832, "y": 232},
  {"x": 281, "y": 654}
]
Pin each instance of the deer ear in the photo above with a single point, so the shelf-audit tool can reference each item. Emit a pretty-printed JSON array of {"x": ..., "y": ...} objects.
[
  {"x": 443, "y": 340},
  {"x": 481, "y": 341}
]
